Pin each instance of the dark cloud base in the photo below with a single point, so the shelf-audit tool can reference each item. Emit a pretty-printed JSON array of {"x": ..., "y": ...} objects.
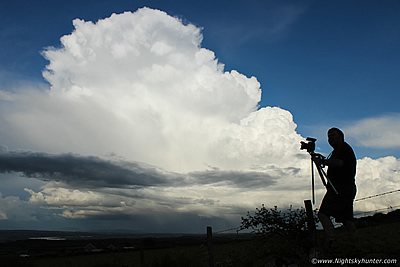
[
  {"x": 80, "y": 170},
  {"x": 95, "y": 172}
]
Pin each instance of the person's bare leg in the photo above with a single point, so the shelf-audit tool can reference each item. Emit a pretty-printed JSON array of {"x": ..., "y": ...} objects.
[
  {"x": 351, "y": 230},
  {"x": 328, "y": 227}
]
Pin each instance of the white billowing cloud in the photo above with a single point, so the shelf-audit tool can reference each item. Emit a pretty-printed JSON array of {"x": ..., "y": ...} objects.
[
  {"x": 376, "y": 176},
  {"x": 138, "y": 88},
  {"x": 13, "y": 208},
  {"x": 267, "y": 136},
  {"x": 139, "y": 85},
  {"x": 76, "y": 203},
  {"x": 378, "y": 132}
]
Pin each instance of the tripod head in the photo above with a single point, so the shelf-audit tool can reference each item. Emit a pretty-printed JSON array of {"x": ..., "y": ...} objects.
[{"x": 310, "y": 145}]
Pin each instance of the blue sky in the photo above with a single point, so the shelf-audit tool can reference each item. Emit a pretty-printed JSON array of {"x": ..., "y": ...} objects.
[{"x": 325, "y": 63}]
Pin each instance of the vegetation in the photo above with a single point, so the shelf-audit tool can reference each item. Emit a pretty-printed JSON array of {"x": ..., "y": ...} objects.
[
  {"x": 280, "y": 238},
  {"x": 267, "y": 222}
]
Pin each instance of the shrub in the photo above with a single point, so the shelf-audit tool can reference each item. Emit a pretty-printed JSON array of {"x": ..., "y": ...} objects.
[
  {"x": 272, "y": 221},
  {"x": 282, "y": 235}
]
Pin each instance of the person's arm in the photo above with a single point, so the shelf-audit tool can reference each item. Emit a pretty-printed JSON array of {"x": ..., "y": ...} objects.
[{"x": 335, "y": 163}]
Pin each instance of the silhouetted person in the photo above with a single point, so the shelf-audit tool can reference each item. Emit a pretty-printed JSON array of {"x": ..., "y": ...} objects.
[{"x": 341, "y": 172}]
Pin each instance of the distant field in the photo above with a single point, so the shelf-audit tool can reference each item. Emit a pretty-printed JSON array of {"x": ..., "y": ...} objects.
[{"x": 377, "y": 240}]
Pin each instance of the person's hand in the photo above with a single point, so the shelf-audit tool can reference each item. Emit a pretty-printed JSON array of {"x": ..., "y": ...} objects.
[{"x": 318, "y": 160}]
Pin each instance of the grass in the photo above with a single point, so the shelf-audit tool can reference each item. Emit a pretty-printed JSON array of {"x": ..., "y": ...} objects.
[{"x": 380, "y": 241}]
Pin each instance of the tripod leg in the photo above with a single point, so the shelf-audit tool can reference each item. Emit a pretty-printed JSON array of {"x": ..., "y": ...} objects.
[
  {"x": 312, "y": 182},
  {"x": 329, "y": 181},
  {"x": 320, "y": 172}
]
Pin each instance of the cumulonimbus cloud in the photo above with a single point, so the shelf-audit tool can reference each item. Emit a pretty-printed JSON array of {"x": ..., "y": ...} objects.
[
  {"x": 187, "y": 135},
  {"x": 141, "y": 86}
]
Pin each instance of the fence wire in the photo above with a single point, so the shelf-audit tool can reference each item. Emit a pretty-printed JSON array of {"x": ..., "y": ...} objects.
[
  {"x": 378, "y": 195},
  {"x": 237, "y": 229},
  {"x": 228, "y": 230}
]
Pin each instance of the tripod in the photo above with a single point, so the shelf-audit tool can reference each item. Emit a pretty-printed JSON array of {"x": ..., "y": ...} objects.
[{"x": 321, "y": 173}]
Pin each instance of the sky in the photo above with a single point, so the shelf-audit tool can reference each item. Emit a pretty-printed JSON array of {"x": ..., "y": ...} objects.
[{"x": 171, "y": 116}]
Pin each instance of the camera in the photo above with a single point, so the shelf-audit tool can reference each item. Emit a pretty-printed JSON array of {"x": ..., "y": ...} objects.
[{"x": 310, "y": 145}]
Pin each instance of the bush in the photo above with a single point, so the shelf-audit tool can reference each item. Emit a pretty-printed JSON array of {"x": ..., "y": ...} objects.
[
  {"x": 282, "y": 235},
  {"x": 266, "y": 222}
]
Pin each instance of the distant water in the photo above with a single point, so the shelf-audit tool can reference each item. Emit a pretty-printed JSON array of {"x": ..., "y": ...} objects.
[
  {"x": 48, "y": 238},
  {"x": 7, "y": 235}
]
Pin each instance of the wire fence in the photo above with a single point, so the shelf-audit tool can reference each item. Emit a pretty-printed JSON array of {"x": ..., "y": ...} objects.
[
  {"x": 357, "y": 214},
  {"x": 229, "y": 230},
  {"x": 363, "y": 213},
  {"x": 378, "y": 195}
]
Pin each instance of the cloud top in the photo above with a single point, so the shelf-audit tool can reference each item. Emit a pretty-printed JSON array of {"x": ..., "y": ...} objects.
[{"x": 147, "y": 56}]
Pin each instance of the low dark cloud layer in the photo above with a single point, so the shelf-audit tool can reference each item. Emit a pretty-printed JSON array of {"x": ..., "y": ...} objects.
[
  {"x": 95, "y": 172},
  {"x": 249, "y": 179},
  {"x": 74, "y": 169}
]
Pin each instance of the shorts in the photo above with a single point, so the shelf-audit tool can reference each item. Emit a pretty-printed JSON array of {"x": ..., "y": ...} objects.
[{"x": 339, "y": 206}]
